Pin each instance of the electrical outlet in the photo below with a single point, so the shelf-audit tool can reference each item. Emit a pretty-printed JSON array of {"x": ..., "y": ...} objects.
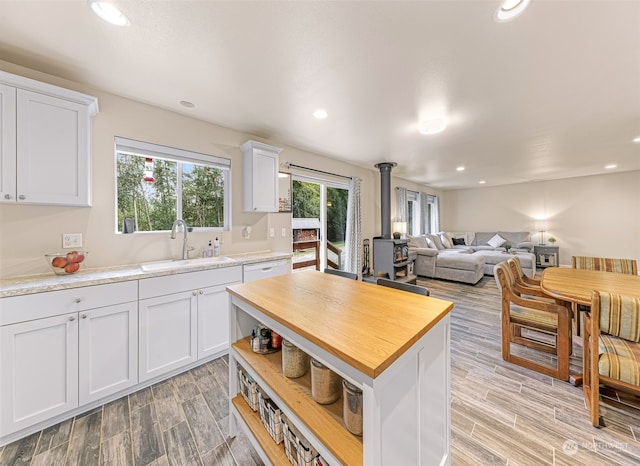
[
  {"x": 272, "y": 232},
  {"x": 72, "y": 240},
  {"x": 284, "y": 232}
]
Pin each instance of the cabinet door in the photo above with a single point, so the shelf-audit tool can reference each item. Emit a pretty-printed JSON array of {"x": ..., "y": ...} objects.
[
  {"x": 52, "y": 150},
  {"x": 260, "y": 180},
  {"x": 39, "y": 366},
  {"x": 108, "y": 351},
  {"x": 213, "y": 321},
  {"x": 7, "y": 143},
  {"x": 168, "y": 333}
]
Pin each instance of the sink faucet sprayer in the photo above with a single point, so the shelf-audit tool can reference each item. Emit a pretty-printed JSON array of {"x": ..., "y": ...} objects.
[{"x": 185, "y": 244}]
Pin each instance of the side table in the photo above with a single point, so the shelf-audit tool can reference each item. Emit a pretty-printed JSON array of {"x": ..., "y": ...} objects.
[{"x": 547, "y": 256}]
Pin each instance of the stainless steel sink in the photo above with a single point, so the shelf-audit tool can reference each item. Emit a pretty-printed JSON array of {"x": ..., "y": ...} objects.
[{"x": 181, "y": 263}]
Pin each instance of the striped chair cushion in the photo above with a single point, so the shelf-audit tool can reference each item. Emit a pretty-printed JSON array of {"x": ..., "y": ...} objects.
[
  {"x": 605, "y": 264},
  {"x": 533, "y": 317},
  {"x": 619, "y": 359},
  {"x": 620, "y": 316}
]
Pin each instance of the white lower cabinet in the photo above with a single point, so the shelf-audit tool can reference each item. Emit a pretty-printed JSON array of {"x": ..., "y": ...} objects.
[
  {"x": 39, "y": 365},
  {"x": 213, "y": 321},
  {"x": 62, "y": 349},
  {"x": 108, "y": 351},
  {"x": 168, "y": 335},
  {"x": 183, "y": 318}
]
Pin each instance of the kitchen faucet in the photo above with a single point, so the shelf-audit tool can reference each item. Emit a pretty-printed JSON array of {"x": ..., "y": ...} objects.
[{"x": 185, "y": 244}]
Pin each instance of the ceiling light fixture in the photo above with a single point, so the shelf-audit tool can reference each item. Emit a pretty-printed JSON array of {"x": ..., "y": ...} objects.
[
  {"x": 611, "y": 166},
  {"x": 320, "y": 114},
  {"x": 510, "y": 9},
  {"x": 432, "y": 126},
  {"x": 637, "y": 140},
  {"x": 108, "y": 12},
  {"x": 482, "y": 182},
  {"x": 187, "y": 104},
  {"x": 460, "y": 168}
]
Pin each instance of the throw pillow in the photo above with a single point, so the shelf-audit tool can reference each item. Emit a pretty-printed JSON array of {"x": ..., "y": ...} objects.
[
  {"x": 458, "y": 241},
  {"x": 496, "y": 241},
  {"x": 435, "y": 239},
  {"x": 418, "y": 242},
  {"x": 445, "y": 241}
]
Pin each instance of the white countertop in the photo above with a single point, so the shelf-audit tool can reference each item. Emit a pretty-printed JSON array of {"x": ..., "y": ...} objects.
[{"x": 51, "y": 282}]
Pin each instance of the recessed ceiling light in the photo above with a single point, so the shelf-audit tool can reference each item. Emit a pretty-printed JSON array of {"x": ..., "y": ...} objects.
[
  {"x": 432, "y": 126},
  {"x": 637, "y": 140},
  {"x": 510, "y": 9},
  {"x": 610, "y": 166},
  {"x": 460, "y": 168},
  {"x": 320, "y": 114},
  {"x": 482, "y": 182},
  {"x": 108, "y": 12},
  {"x": 187, "y": 104}
]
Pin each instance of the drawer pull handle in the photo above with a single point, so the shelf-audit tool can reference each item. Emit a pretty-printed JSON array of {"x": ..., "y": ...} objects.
[
  {"x": 194, "y": 292},
  {"x": 77, "y": 300},
  {"x": 84, "y": 316},
  {"x": 22, "y": 197},
  {"x": 201, "y": 292},
  {"x": 72, "y": 318},
  {"x": 7, "y": 196}
]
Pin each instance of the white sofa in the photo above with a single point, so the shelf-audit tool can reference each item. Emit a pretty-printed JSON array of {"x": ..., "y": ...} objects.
[{"x": 438, "y": 257}]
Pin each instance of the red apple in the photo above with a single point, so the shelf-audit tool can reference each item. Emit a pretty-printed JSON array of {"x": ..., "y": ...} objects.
[
  {"x": 75, "y": 257},
  {"x": 59, "y": 262},
  {"x": 72, "y": 268}
]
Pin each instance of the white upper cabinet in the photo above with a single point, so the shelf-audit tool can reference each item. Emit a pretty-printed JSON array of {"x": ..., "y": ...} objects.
[
  {"x": 260, "y": 176},
  {"x": 46, "y": 143}
]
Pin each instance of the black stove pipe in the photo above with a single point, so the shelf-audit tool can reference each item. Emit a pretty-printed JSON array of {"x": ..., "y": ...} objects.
[{"x": 385, "y": 197}]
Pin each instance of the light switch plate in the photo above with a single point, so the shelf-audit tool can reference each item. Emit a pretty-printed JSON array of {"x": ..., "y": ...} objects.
[
  {"x": 272, "y": 232},
  {"x": 284, "y": 232},
  {"x": 71, "y": 240}
]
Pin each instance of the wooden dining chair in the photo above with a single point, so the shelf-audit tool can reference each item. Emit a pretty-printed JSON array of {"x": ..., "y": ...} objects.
[
  {"x": 537, "y": 317},
  {"x": 523, "y": 283},
  {"x": 341, "y": 273},
  {"x": 403, "y": 286},
  {"x": 605, "y": 264},
  {"x": 611, "y": 348}
]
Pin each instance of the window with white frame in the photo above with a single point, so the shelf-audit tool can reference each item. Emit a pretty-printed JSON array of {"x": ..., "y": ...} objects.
[
  {"x": 155, "y": 185},
  {"x": 413, "y": 213}
]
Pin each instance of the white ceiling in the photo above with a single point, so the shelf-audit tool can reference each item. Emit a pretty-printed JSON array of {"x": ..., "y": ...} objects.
[{"x": 554, "y": 93}]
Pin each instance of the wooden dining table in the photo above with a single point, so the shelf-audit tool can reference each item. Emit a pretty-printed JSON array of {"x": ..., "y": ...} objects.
[
  {"x": 576, "y": 285},
  {"x": 568, "y": 286}
]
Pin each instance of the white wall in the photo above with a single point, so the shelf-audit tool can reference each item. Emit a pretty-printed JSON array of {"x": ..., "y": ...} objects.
[
  {"x": 593, "y": 215},
  {"x": 28, "y": 232}
]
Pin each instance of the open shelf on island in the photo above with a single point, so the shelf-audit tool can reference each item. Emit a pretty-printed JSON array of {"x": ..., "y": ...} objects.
[
  {"x": 324, "y": 421},
  {"x": 274, "y": 452}
]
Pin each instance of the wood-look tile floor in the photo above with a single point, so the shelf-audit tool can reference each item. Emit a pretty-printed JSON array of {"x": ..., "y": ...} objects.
[
  {"x": 501, "y": 413},
  {"x": 178, "y": 422},
  {"x": 504, "y": 414}
]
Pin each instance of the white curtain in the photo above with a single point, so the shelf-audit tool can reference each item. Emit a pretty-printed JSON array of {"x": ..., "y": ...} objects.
[
  {"x": 424, "y": 214},
  {"x": 353, "y": 240},
  {"x": 401, "y": 204},
  {"x": 436, "y": 214}
]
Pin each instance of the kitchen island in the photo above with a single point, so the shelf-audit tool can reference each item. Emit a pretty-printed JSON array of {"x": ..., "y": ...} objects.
[{"x": 391, "y": 344}]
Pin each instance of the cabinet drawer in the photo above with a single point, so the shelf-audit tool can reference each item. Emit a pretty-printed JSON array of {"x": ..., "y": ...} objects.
[
  {"x": 40, "y": 305},
  {"x": 261, "y": 270},
  {"x": 169, "y": 284}
]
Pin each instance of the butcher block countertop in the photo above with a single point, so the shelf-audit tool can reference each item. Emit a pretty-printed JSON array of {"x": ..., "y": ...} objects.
[{"x": 365, "y": 325}]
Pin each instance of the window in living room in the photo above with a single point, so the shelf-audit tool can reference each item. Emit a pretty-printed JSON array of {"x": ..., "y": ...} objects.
[{"x": 413, "y": 213}]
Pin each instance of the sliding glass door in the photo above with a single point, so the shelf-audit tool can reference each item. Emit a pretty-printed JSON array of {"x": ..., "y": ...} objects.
[{"x": 323, "y": 204}]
